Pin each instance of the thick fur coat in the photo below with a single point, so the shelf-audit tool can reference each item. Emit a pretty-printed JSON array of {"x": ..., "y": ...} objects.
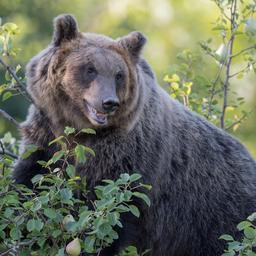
[{"x": 203, "y": 180}]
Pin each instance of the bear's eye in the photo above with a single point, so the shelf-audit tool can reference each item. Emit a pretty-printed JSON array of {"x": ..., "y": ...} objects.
[
  {"x": 119, "y": 76},
  {"x": 91, "y": 70}
]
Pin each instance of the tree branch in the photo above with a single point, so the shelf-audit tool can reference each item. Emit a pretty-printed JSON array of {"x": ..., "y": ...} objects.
[
  {"x": 230, "y": 47},
  {"x": 244, "y": 50},
  {"x": 3, "y": 151},
  {"x": 8, "y": 153},
  {"x": 21, "y": 86},
  {"x": 246, "y": 69},
  {"x": 242, "y": 118},
  {"x": 213, "y": 90},
  {"x": 9, "y": 118}
]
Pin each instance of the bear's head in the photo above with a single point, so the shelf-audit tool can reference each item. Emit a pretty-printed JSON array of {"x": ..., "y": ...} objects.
[{"x": 87, "y": 80}]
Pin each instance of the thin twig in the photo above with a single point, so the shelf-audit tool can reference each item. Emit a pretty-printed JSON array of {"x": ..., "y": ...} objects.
[
  {"x": 222, "y": 10},
  {"x": 9, "y": 118},
  {"x": 8, "y": 153},
  {"x": 242, "y": 118},
  {"x": 8, "y": 252},
  {"x": 230, "y": 47},
  {"x": 3, "y": 150},
  {"x": 244, "y": 50},
  {"x": 16, "y": 247},
  {"x": 21, "y": 86},
  {"x": 244, "y": 69},
  {"x": 213, "y": 90}
]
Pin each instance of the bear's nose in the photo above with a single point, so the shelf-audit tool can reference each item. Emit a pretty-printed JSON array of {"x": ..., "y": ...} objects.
[{"x": 110, "y": 104}]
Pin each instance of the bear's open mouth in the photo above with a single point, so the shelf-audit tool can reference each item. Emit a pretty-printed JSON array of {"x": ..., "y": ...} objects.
[{"x": 96, "y": 116}]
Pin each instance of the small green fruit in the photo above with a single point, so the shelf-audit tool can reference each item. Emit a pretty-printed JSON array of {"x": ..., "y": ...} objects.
[
  {"x": 74, "y": 247},
  {"x": 67, "y": 219}
]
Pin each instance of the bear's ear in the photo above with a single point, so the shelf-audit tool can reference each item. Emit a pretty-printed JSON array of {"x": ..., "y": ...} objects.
[
  {"x": 65, "y": 29},
  {"x": 133, "y": 43}
]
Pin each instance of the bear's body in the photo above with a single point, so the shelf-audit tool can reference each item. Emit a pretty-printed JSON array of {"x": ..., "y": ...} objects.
[{"x": 203, "y": 180}]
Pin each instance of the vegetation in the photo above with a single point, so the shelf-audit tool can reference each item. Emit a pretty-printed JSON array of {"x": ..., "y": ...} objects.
[{"x": 50, "y": 219}]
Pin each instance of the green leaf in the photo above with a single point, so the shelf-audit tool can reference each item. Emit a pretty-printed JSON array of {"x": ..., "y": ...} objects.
[
  {"x": 34, "y": 225},
  {"x": 88, "y": 131},
  {"x": 30, "y": 149},
  {"x": 71, "y": 226},
  {"x": 38, "y": 224},
  {"x": 57, "y": 140},
  {"x": 69, "y": 130},
  {"x": 41, "y": 162},
  {"x": 57, "y": 156},
  {"x": 6, "y": 96},
  {"x": 19, "y": 220},
  {"x": 226, "y": 237},
  {"x": 37, "y": 178},
  {"x": 50, "y": 213},
  {"x": 7, "y": 76},
  {"x": 15, "y": 233},
  {"x": 80, "y": 153},
  {"x": 127, "y": 195},
  {"x": 89, "y": 244},
  {"x": 252, "y": 217},
  {"x": 44, "y": 199},
  {"x": 56, "y": 233},
  {"x": 61, "y": 252},
  {"x": 36, "y": 206},
  {"x": 108, "y": 181},
  {"x": 89, "y": 150},
  {"x": 84, "y": 217},
  {"x": 244, "y": 224},
  {"x": 135, "y": 177},
  {"x": 134, "y": 210},
  {"x": 250, "y": 232},
  {"x": 41, "y": 242},
  {"x": 113, "y": 218},
  {"x": 105, "y": 228},
  {"x": 66, "y": 194},
  {"x": 142, "y": 196},
  {"x": 125, "y": 177},
  {"x": 110, "y": 188},
  {"x": 146, "y": 186},
  {"x": 3, "y": 87},
  {"x": 71, "y": 171},
  {"x": 10, "y": 27},
  {"x": 236, "y": 246}
]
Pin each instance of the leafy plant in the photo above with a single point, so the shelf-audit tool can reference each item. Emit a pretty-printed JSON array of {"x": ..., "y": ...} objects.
[
  {"x": 219, "y": 102},
  {"x": 50, "y": 219},
  {"x": 245, "y": 247}
]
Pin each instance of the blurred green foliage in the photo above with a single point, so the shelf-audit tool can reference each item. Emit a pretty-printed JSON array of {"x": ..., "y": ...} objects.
[{"x": 170, "y": 26}]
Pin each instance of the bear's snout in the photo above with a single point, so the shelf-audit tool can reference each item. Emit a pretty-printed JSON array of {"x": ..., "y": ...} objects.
[{"x": 110, "y": 104}]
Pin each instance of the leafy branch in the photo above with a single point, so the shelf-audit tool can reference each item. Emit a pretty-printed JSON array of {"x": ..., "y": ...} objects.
[
  {"x": 230, "y": 44},
  {"x": 9, "y": 118},
  {"x": 21, "y": 88}
]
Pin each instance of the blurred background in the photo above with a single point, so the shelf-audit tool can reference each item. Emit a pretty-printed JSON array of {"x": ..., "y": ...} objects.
[{"x": 170, "y": 26}]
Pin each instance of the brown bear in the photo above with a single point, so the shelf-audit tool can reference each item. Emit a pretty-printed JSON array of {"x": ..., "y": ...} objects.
[{"x": 204, "y": 180}]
